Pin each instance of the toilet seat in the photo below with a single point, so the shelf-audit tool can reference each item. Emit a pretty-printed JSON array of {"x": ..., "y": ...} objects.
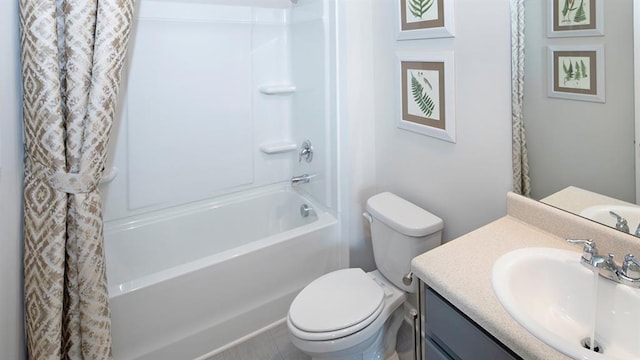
[{"x": 336, "y": 305}]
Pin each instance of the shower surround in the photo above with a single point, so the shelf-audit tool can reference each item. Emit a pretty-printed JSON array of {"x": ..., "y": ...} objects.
[{"x": 204, "y": 241}]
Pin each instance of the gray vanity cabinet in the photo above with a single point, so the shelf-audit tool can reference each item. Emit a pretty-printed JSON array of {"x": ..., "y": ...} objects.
[{"x": 451, "y": 335}]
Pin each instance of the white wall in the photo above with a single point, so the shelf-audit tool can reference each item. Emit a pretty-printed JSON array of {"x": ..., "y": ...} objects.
[
  {"x": 464, "y": 183},
  {"x": 214, "y": 118},
  {"x": 356, "y": 139},
  {"x": 310, "y": 106},
  {"x": 11, "y": 330}
]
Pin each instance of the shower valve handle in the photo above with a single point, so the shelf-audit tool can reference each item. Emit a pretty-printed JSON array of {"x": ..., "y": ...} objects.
[{"x": 306, "y": 151}]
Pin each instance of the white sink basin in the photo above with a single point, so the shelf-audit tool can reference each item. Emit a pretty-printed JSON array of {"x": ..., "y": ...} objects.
[
  {"x": 600, "y": 213},
  {"x": 551, "y": 294}
]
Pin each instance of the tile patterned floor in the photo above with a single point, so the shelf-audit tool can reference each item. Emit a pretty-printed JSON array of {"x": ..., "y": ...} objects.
[{"x": 274, "y": 344}]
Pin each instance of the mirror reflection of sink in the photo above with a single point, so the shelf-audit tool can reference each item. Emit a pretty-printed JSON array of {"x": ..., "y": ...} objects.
[
  {"x": 551, "y": 294},
  {"x": 600, "y": 213}
]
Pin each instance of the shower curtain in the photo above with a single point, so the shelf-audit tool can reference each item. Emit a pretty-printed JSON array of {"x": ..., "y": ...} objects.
[
  {"x": 521, "y": 180},
  {"x": 72, "y": 56}
]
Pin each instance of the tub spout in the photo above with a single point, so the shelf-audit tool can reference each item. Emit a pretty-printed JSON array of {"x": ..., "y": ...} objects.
[{"x": 302, "y": 179}]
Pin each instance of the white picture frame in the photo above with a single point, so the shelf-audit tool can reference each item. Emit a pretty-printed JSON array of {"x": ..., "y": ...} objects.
[
  {"x": 425, "y": 103},
  {"x": 576, "y": 72},
  {"x": 562, "y": 15},
  {"x": 429, "y": 19}
]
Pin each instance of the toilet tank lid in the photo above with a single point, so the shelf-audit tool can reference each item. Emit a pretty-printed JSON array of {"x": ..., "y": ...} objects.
[{"x": 403, "y": 216}]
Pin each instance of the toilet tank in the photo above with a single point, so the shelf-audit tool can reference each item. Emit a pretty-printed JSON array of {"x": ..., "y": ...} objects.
[{"x": 400, "y": 231}]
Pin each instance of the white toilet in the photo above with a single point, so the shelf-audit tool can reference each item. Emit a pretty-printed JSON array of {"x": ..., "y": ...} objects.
[{"x": 349, "y": 314}]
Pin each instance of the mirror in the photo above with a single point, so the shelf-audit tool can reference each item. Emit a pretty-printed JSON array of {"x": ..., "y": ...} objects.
[{"x": 581, "y": 153}]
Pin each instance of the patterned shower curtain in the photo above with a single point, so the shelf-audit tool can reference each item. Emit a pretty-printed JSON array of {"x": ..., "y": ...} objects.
[
  {"x": 72, "y": 56},
  {"x": 521, "y": 180}
]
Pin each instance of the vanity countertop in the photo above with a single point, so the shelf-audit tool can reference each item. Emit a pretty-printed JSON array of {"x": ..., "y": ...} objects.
[
  {"x": 460, "y": 270},
  {"x": 575, "y": 199}
]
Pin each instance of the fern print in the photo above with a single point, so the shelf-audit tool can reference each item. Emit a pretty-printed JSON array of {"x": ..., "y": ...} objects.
[
  {"x": 568, "y": 6},
  {"x": 575, "y": 71},
  {"x": 422, "y": 99},
  {"x": 568, "y": 71},
  {"x": 578, "y": 75},
  {"x": 580, "y": 15},
  {"x": 583, "y": 68},
  {"x": 419, "y": 7}
]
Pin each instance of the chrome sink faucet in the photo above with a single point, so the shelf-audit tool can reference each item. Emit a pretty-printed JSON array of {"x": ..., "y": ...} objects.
[{"x": 627, "y": 274}]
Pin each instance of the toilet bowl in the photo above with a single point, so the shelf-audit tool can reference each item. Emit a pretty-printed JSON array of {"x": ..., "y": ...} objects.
[
  {"x": 361, "y": 305},
  {"x": 349, "y": 314}
]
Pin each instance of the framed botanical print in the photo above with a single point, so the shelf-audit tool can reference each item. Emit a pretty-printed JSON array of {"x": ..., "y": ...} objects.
[
  {"x": 570, "y": 18},
  {"x": 576, "y": 72},
  {"x": 421, "y": 19},
  {"x": 426, "y": 101}
]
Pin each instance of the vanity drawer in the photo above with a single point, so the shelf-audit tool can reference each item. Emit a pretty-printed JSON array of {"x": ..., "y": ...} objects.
[{"x": 457, "y": 335}]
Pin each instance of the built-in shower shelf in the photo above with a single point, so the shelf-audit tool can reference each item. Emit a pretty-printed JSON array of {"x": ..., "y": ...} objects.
[
  {"x": 284, "y": 89},
  {"x": 278, "y": 148}
]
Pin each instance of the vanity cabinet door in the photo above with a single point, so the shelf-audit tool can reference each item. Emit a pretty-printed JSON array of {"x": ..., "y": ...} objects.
[
  {"x": 434, "y": 352},
  {"x": 452, "y": 332}
]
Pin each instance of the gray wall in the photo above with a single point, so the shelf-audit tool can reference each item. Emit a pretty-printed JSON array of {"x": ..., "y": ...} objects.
[
  {"x": 11, "y": 338},
  {"x": 463, "y": 183},
  {"x": 585, "y": 144}
]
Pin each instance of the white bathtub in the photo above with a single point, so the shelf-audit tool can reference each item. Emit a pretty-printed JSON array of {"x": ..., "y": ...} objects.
[{"x": 186, "y": 281}]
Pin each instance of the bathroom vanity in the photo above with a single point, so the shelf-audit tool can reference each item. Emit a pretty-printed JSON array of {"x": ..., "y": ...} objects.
[
  {"x": 463, "y": 317},
  {"x": 449, "y": 334}
]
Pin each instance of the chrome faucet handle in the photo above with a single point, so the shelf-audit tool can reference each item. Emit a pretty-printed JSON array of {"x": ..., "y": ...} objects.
[
  {"x": 607, "y": 267},
  {"x": 631, "y": 267},
  {"x": 637, "y": 233},
  {"x": 588, "y": 251},
  {"x": 589, "y": 242},
  {"x": 621, "y": 223},
  {"x": 610, "y": 262},
  {"x": 306, "y": 151}
]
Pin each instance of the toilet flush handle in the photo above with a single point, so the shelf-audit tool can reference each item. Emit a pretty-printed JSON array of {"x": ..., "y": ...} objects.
[
  {"x": 368, "y": 217},
  {"x": 408, "y": 279}
]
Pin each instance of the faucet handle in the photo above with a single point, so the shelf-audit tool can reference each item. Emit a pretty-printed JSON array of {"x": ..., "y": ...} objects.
[
  {"x": 610, "y": 260},
  {"x": 631, "y": 267},
  {"x": 306, "y": 151},
  {"x": 589, "y": 242},
  {"x": 621, "y": 223},
  {"x": 589, "y": 250}
]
